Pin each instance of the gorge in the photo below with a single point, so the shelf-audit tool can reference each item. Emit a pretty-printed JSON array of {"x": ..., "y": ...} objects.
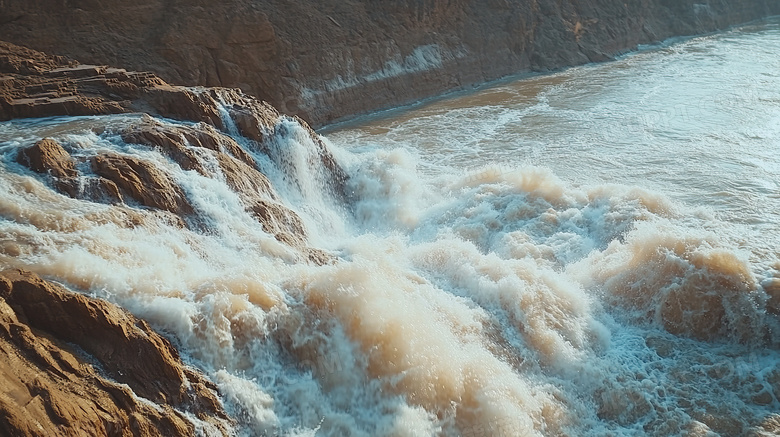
[{"x": 560, "y": 255}]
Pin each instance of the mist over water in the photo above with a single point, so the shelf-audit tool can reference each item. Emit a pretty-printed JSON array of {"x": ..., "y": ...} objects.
[{"x": 592, "y": 252}]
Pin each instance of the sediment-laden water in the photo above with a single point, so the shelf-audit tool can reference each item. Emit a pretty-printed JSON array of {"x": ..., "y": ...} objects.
[{"x": 592, "y": 252}]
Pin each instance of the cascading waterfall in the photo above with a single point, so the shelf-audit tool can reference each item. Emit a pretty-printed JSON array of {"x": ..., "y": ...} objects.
[{"x": 499, "y": 300}]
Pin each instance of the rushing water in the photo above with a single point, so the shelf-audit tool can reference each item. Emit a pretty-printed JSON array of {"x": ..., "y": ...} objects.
[{"x": 590, "y": 252}]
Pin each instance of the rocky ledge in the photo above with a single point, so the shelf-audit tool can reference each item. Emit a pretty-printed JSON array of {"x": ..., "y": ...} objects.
[
  {"x": 34, "y": 84},
  {"x": 71, "y": 365}
]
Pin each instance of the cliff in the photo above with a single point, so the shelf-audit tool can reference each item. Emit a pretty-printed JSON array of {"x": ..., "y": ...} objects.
[{"x": 327, "y": 60}]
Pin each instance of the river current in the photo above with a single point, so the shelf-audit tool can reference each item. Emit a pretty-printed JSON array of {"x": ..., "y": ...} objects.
[{"x": 590, "y": 252}]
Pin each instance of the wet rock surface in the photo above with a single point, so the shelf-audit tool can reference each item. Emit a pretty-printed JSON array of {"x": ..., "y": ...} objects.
[
  {"x": 72, "y": 365},
  {"x": 124, "y": 179},
  {"x": 143, "y": 182}
]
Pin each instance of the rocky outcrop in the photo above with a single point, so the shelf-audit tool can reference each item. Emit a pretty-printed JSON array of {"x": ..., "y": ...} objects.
[
  {"x": 33, "y": 84},
  {"x": 236, "y": 167},
  {"x": 48, "y": 155},
  {"x": 326, "y": 60},
  {"x": 143, "y": 182},
  {"x": 73, "y": 365},
  {"x": 124, "y": 179},
  {"x": 119, "y": 179}
]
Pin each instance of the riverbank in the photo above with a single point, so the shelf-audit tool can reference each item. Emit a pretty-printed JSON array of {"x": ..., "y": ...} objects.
[{"x": 332, "y": 60}]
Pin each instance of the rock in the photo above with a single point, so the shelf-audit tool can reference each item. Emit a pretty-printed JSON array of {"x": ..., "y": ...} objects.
[
  {"x": 247, "y": 124},
  {"x": 49, "y": 388},
  {"x": 168, "y": 140},
  {"x": 178, "y": 143},
  {"x": 35, "y": 84},
  {"x": 284, "y": 224},
  {"x": 239, "y": 171},
  {"x": 118, "y": 178},
  {"x": 20, "y": 60},
  {"x": 48, "y": 156},
  {"x": 67, "y": 105},
  {"x": 181, "y": 103},
  {"x": 143, "y": 182},
  {"x": 98, "y": 189}
]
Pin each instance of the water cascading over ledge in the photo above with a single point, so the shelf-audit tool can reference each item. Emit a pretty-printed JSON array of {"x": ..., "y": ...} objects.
[{"x": 341, "y": 292}]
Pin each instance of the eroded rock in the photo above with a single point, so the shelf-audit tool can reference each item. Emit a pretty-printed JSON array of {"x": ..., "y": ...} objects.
[
  {"x": 48, "y": 388},
  {"x": 236, "y": 167},
  {"x": 48, "y": 156},
  {"x": 144, "y": 182}
]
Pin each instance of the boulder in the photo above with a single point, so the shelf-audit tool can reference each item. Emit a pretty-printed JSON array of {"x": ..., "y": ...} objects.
[
  {"x": 48, "y": 156},
  {"x": 143, "y": 182}
]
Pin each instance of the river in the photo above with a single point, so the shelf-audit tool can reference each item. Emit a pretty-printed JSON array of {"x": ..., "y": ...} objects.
[{"x": 590, "y": 252}]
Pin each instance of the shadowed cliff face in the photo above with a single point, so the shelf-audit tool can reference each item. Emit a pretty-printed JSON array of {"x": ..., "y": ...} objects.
[{"x": 327, "y": 60}]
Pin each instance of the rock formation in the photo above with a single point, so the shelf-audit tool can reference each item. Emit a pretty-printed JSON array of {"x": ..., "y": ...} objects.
[
  {"x": 326, "y": 60},
  {"x": 66, "y": 87},
  {"x": 72, "y": 365}
]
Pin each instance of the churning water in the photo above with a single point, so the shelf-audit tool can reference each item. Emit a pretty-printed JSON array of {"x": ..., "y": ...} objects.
[{"x": 593, "y": 252}]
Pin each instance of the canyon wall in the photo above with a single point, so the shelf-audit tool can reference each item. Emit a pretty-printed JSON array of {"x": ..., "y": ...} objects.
[{"x": 327, "y": 60}]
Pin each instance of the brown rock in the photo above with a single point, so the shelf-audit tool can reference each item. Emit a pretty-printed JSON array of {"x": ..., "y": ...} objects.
[
  {"x": 168, "y": 140},
  {"x": 34, "y": 84},
  {"x": 178, "y": 143},
  {"x": 20, "y": 60},
  {"x": 247, "y": 181},
  {"x": 248, "y": 124},
  {"x": 66, "y": 105},
  {"x": 278, "y": 220},
  {"x": 237, "y": 168},
  {"x": 144, "y": 182},
  {"x": 48, "y": 156},
  {"x": 182, "y": 104},
  {"x": 207, "y": 137},
  {"x": 48, "y": 389}
]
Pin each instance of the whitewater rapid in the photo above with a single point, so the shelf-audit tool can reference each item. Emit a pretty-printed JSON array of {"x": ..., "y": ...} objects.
[{"x": 493, "y": 272}]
